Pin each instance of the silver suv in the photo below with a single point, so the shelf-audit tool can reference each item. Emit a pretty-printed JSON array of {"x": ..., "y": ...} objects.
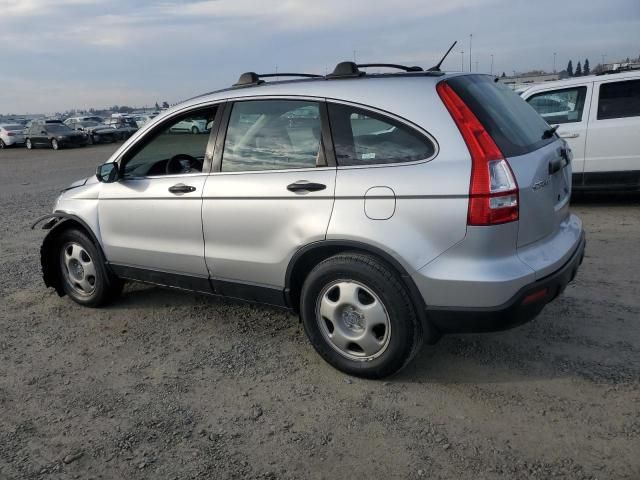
[{"x": 386, "y": 209}]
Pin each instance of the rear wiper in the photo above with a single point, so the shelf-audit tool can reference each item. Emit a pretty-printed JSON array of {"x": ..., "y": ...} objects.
[{"x": 548, "y": 133}]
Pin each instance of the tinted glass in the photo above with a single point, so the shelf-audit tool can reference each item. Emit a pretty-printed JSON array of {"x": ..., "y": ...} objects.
[
  {"x": 56, "y": 128},
  {"x": 512, "y": 123},
  {"x": 272, "y": 135},
  {"x": 365, "y": 138},
  {"x": 12, "y": 127},
  {"x": 560, "y": 106},
  {"x": 171, "y": 151},
  {"x": 619, "y": 100}
]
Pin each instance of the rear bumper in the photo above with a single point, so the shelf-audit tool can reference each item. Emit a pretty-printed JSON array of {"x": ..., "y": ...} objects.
[{"x": 521, "y": 308}]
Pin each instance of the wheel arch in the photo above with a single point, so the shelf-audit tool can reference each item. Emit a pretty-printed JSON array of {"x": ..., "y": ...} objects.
[
  {"x": 310, "y": 255},
  {"x": 58, "y": 223}
]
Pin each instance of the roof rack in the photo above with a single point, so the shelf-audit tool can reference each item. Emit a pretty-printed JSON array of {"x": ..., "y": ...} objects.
[
  {"x": 253, "y": 78},
  {"x": 352, "y": 69}
]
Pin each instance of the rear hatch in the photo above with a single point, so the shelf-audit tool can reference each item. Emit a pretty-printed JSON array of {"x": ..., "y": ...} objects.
[{"x": 539, "y": 160}]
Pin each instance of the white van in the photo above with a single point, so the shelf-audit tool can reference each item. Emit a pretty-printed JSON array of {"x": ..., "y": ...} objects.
[{"x": 599, "y": 116}]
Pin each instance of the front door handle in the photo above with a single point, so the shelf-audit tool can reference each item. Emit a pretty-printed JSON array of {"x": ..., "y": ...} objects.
[
  {"x": 304, "y": 186},
  {"x": 182, "y": 188},
  {"x": 569, "y": 134}
]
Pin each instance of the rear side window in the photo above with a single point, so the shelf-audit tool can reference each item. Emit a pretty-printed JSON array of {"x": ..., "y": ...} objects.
[
  {"x": 361, "y": 137},
  {"x": 619, "y": 100},
  {"x": 514, "y": 125},
  {"x": 560, "y": 106}
]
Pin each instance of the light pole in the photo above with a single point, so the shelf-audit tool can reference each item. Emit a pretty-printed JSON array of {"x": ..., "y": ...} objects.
[
  {"x": 492, "y": 64},
  {"x": 470, "y": 42},
  {"x": 554, "y": 62},
  {"x": 603, "y": 55},
  {"x": 476, "y": 62},
  {"x": 462, "y": 63}
]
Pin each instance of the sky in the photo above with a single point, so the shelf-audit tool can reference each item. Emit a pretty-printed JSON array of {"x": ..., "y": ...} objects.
[{"x": 63, "y": 54}]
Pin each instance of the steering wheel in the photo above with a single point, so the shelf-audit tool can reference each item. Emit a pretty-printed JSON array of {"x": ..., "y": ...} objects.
[{"x": 183, "y": 163}]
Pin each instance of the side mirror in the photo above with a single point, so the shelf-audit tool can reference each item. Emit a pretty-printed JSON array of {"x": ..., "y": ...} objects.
[{"x": 107, "y": 172}]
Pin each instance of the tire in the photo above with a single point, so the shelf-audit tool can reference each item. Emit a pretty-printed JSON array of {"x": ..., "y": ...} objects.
[
  {"x": 358, "y": 316},
  {"x": 82, "y": 271},
  {"x": 195, "y": 130},
  {"x": 29, "y": 144},
  {"x": 55, "y": 145},
  {"x": 2, "y": 144},
  {"x": 90, "y": 140}
]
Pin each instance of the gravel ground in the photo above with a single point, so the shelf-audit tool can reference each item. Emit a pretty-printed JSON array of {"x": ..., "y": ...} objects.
[{"x": 165, "y": 384}]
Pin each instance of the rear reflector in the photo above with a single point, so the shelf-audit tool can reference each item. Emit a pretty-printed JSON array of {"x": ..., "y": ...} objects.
[
  {"x": 535, "y": 296},
  {"x": 493, "y": 191}
]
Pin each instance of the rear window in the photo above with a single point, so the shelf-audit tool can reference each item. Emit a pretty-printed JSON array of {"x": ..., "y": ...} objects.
[
  {"x": 12, "y": 127},
  {"x": 513, "y": 124}
]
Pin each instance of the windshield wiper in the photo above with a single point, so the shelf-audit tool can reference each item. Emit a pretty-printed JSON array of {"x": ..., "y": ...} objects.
[{"x": 548, "y": 133}]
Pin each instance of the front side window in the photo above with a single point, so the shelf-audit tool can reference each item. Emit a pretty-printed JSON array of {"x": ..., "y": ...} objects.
[
  {"x": 560, "y": 106},
  {"x": 171, "y": 150},
  {"x": 619, "y": 100},
  {"x": 273, "y": 135},
  {"x": 361, "y": 137}
]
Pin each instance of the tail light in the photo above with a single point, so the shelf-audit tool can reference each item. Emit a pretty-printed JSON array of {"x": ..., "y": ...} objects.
[
  {"x": 11, "y": 134},
  {"x": 493, "y": 192}
]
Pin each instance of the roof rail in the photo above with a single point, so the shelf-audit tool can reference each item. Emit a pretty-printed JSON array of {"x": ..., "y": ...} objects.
[
  {"x": 352, "y": 69},
  {"x": 253, "y": 78}
]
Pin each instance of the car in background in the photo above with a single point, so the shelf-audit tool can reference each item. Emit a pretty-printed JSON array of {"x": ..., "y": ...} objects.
[
  {"x": 90, "y": 118},
  {"x": 11, "y": 134},
  {"x": 190, "y": 125},
  {"x": 97, "y": 132},
  {"x": 54, "y": 135},
  {"x": 599, "y": 117},
  {"x": 124, "y": 126},
  {"x": 142, "y": 119}
]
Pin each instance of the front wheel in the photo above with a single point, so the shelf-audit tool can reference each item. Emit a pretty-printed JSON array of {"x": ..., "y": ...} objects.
[
  {"x": 29, "y": 144},
  {"x": 358, "y": 316},
  {"x": 195, "y": 130},
  {"x": 2, "y": 144},
  {"x": 55, "y": 145},
  {"x": 82, "y": 270}
]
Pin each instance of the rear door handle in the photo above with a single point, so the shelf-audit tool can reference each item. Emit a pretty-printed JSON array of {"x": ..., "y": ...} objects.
[
  {"x": 304, "y": 186},
  {"x": 569, "y": 135},
  {"x": 182, "y": 188}
]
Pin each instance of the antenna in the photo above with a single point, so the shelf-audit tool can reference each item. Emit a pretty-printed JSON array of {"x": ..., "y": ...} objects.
[{"x": 436, "y": 68}]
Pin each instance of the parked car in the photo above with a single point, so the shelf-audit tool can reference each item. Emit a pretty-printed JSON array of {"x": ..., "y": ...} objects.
[
  {"x": 142, "y": 119},
  {"x": 190, "y": 125},
  {"x": 86, "y": 118},
  {"x": 395, "y": 208},
  {"x": 54, "y": 135},
  {"x": 11, "y": 134},
  {"x": 124, "y": 126},
  {"x": 599, "y": 116},
  {"x": 96, "y": 132}
]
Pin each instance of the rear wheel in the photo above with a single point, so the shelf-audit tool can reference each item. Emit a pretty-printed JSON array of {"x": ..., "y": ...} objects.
[
  {"x": 82, "y": 270},
  {"x": 358, "y": 316},
  {"x": 2, "y": 144},
  {"x": 195, "y": 130},
  {"x": 29, "y": 144},
  {"x": 54, "y": 144}
]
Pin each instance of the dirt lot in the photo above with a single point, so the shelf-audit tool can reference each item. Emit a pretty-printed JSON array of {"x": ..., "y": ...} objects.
[{"x": 172, "y": 385}]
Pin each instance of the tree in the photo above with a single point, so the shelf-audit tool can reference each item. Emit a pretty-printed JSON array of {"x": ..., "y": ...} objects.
[
  {"x": 586, "y": 70},
  {"x": 165, "y": 105},
  {"x": 578, "y": 72},
  {"x": 157, "y": 106},
  {"x": 503, "y": 75},
  {"x": 570, "y": 68}
]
